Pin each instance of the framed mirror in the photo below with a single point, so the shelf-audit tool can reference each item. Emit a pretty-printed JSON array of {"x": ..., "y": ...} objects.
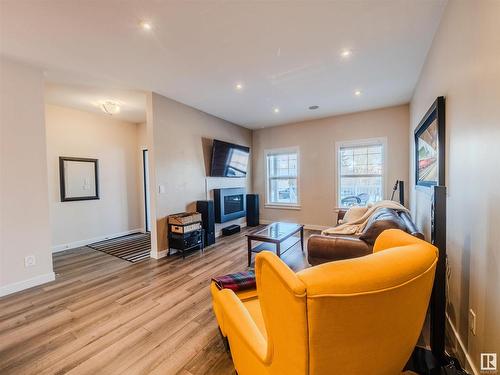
[{"x": 79, "y": 178}]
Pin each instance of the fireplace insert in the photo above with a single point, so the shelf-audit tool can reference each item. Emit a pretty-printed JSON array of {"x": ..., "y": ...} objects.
[{"x": 229, "y": 204}]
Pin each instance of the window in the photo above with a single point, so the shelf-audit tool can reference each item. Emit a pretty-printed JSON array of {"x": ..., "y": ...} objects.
[
  {"x": 360, "y": 172},
  {"x": 282, "y": 177}
]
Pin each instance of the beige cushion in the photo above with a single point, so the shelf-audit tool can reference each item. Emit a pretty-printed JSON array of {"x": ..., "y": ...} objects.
[{"x": 354, "y": 213}]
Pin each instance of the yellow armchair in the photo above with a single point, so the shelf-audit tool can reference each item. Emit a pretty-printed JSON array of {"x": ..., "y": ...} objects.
[{"x": 356, "y": 316}]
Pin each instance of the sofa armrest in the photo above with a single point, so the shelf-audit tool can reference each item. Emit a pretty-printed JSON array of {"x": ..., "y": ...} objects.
[
  {"x": 321, "y": 249},
  {"x": 410, "y": 225}
]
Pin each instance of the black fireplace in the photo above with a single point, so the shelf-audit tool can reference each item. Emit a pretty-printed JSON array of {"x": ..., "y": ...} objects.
[{"x": 229, "y": 204}]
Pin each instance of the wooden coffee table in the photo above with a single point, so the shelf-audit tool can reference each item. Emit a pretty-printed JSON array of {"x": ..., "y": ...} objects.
[{"x": 280, "y": 234}]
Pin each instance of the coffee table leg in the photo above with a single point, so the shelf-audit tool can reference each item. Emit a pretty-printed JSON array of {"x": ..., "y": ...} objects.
[
  {"x": 302, "y": 238},
  {"x": 249, "y": 252},
  {"x": 278, "y": 250}
]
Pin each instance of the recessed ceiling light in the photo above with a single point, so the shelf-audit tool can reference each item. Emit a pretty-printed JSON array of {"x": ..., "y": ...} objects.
[
  {"x": 357, "y": 93},
  {"x": 276, "y": 110},
  {"x": 239, "y": 86},
  {"x": 110, "y": 107},
  {"x": 345, "y": 53},
  {"x": 313, "y": 107},
  {"x": 145, "y": 25}
]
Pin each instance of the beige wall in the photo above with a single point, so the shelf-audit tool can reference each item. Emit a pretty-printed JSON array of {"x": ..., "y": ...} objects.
[
  {"x": 24, "y": 225},
  {"x": 182, "y": 150},
  {"x": 316, "y": 140},
  {"x": 464, "y": 65},
  {"x": 116, "y": 144},
  {"x": 142, "y": 142}
]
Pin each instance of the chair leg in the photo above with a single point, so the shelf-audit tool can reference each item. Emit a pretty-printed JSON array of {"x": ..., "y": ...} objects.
[{"x": 225, "y": 341}]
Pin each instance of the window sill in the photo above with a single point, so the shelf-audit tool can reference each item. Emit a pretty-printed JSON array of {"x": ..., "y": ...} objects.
[
  {"x": 337, "y": 209},
  {"x": 283, "y": 206}
]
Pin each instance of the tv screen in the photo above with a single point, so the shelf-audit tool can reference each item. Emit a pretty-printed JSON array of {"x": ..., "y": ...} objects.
[
  {"x": 229, "y": 160},
  {"x": 427, "y": 155}
]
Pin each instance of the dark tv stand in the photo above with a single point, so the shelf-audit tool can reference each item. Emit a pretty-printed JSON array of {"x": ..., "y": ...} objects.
[{"x": 186, "y": 241}]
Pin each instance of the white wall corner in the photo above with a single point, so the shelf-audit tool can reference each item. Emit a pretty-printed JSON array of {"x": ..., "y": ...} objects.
[{"x": 25, "y": 284}]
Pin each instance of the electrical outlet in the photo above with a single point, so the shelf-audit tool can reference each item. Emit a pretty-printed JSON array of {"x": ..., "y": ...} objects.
[
  {"x": 29, "y": 261},
  {"x": 472, "y": 321}
]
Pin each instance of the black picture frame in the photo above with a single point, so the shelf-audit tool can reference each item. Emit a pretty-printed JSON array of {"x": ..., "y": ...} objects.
[
  {"x": 62, "y": 179},
  {"x": 435, "y": 113}
]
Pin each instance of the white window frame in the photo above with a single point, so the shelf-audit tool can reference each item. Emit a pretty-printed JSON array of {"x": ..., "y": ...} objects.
[
  {"x": 275, "y": 151},
  {"x": 360, "y": 142}
]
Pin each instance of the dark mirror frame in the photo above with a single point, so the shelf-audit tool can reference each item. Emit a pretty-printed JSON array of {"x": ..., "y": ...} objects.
[
  {"x": 435, "y": 112},
  {"x": 62, "y": 159}
]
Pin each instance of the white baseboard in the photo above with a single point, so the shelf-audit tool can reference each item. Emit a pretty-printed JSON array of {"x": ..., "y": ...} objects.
[
  {"x": 25, "y": 284},
  {"x": 470, "y": 363},
  {"x": 72, "y": 245},
  {"x": 163, "y": 253},
  {"x": 306, "y": 226}
]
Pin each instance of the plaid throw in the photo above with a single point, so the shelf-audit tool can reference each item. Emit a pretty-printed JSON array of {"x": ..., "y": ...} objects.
[{"x": 236, "y": 281}]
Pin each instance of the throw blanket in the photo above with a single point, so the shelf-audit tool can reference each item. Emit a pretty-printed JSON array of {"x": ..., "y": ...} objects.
[
  {"x": 357, "y": 226},
  {"x": 236, "y": 281}
]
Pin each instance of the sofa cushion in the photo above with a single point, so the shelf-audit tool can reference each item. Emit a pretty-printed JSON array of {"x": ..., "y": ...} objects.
[
  {"x": 382, "y": 219},
  {"x": 323, "y": 249}
]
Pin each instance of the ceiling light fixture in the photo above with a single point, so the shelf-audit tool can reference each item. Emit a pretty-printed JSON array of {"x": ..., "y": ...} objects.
[
  {"x": 145, "y": 25},
  {"x": 346, "y": 53},
  {"x": 357, "y": 92},
  {"x": 313, "y": 107},
  {"x": 276, "y": 110},
  {"x": 239, "y": 86},
  {"x": 110, "y": 107}
]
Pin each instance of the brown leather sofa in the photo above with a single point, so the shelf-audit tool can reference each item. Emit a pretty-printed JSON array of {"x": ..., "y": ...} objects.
[{"x": 327, "y": 248}]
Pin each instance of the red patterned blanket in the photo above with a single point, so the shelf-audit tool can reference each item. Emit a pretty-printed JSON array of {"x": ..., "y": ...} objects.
[{"x": 236, "y": 281}]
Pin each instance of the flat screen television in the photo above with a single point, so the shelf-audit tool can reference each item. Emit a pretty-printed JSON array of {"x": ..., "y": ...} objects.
[{"x": 229, "y": 160}]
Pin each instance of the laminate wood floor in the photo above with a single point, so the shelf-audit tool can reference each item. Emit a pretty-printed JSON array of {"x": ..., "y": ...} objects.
[{"x": 104, "y": 315}]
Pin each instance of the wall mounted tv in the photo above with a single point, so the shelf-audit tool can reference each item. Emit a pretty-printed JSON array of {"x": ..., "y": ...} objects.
[{"x": 229, "y": 160}]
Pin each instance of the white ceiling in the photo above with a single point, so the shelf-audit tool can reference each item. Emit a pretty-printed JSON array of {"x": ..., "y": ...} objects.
[
  {"x": 90, "y": 98},
  {"x": 286, "y": 53}
]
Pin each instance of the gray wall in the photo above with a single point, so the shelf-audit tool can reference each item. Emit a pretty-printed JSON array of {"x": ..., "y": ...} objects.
[
  {"x": 316, "y": 140},
  {"x": 115, "y": 143},
  {"x": 182, "y": 139},
  {"x": 24, "y": 225},
  {"x": 463, "y": 64}
]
